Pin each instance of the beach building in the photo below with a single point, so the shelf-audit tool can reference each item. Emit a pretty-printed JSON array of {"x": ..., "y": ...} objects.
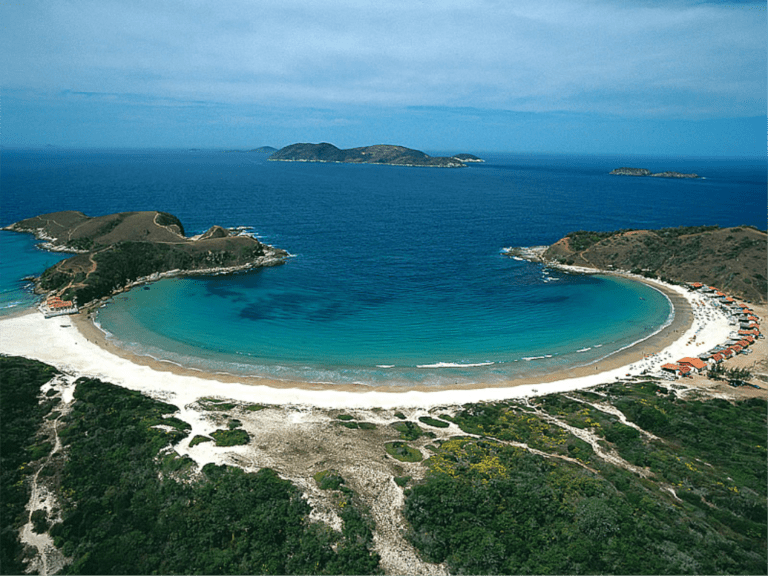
[
  {"x": 695, "y": 364},
  {"x": 55, "y": 306},
  {"x": 673, "y": 370}
]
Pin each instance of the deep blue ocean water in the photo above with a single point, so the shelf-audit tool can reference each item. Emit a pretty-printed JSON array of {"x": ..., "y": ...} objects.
[{"x": 397, "y": 274}]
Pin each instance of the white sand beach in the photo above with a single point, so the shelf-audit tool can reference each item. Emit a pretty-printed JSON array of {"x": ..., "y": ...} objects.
[{"x": 71, "y": 343}]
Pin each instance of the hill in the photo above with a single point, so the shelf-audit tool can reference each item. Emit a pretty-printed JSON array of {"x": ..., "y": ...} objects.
[
  {"x": 732, "y": 259},
  {"x": 379, "y": 154},
  {"x": 116, "y": 250}
]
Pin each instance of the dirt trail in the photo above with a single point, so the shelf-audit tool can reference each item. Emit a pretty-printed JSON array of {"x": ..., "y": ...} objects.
[{"x": 48, "y": 559}]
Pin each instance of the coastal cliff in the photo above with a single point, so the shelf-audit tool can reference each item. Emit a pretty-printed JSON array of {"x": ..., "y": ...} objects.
[
  {"x": 732, "y": 259},
  {"x": 116, "y": 251},
  {"x": 378, "y": 154}
]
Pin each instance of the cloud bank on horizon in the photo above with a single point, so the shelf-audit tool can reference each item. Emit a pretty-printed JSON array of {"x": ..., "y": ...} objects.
[{"x": 681, "y": 76}]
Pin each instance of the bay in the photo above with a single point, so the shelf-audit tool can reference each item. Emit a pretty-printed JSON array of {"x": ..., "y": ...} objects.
[{"x": 392, "y": 266}]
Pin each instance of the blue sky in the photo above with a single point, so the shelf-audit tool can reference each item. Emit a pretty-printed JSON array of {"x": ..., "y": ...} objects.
[{"x": 670, "y": 77}]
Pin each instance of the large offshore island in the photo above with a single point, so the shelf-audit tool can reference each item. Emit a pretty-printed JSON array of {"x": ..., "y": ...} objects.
[{"x": 378, "y": 154}]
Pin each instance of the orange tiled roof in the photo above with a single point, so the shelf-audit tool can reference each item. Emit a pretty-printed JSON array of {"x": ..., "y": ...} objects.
[{"x": 695, "y": 362}]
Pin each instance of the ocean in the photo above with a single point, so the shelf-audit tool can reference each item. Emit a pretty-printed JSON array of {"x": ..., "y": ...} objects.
[{"x": 397, "y": 274}]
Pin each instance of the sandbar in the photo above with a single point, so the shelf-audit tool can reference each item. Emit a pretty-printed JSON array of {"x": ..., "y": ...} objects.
[{"x": 75, "y": 345}]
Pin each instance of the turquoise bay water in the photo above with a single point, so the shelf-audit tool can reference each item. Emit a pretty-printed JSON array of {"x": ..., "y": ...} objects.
[
  {"x": 397, "y": 276},
  {"x": 259, "y": 325}
]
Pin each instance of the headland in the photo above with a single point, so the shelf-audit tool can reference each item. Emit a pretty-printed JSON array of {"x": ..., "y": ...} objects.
[{"x": 118, "y": 251}]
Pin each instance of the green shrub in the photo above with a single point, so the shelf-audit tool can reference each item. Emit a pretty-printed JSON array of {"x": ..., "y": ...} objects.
[
  {"x": 401, "y": 451},
  {"x": 237, "y": 437},
  {"x": 408, "y": 430},
  {"x": 329, "y": 480},
  {"x": 429, "y": 421}
]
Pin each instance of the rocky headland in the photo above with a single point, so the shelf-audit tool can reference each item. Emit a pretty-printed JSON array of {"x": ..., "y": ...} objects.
[
  {"x": 732, "y": 259},
  {"x": 378, "y": 154},
  {"x": 115, "y": 252}
]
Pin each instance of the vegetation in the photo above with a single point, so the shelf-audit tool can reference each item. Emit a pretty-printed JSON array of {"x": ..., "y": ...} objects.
[
  {"x": 121, "y": 248},
  {"x": 486, "y": 506},
  {"x": 429, "y": 421},
  {"x": 126, "y": 512},
  {"x": 199, "y": 440},
  {"x": 408, "y": 430},
  {"x": 329, "y": 480},
  {"x": 733, "y": 259},
  {"x": 378, "y": 154},
  {"x": 401, "y": 451},
  {"x": 528, "y": 489},
  {"x": 236, "y": 437},
  {"x": 719, "y": 372},
  {"x": 22, "y": 415}
]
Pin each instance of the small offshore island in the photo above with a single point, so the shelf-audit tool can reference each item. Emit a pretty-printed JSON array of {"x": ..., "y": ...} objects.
[
  {"x": 645, "y": 172},
  {"x": 378, "y": 154},
  {"x": 118, "y": 251}
]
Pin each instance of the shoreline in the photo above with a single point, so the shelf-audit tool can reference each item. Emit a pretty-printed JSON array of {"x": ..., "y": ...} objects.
[{"x": 86, "y": 351}]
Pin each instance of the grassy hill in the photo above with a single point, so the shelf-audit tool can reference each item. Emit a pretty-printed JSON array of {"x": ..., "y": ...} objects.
[
  {"x": 115, "y": 250},
  {"x": 378, "y": 154},
  {"x": 732, "y": 259}
]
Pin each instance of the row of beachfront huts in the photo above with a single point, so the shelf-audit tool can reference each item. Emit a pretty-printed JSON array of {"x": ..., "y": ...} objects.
[{"x": 739, "y": 342}]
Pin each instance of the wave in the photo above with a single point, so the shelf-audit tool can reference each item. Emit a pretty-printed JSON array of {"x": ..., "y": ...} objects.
[
  {"x": 385, "y": 365},
  {"x": 453, "y": 365},
  {"x": 586, "y": 349},
  {"x": 529, "y": 358}
]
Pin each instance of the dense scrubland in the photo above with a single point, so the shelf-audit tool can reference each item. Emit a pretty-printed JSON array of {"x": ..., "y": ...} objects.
[{"x": 635, "y": 477}]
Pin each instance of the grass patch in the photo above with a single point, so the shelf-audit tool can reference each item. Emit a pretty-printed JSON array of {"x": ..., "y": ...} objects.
[
  {"x": 400, "y": 415},
  {"x": 352, "y": 425},
  {"x": 429, "y": 421},
  {"x": 402, "y": 481},
  {"x": 328, "y": 480},
  {"x": 401, "y": 451},
  {"x": 237, "y": 437},
  {"x": 345, "y": 417},
  {"x": 216, "y": 404},
  {"x": 254, "y": 407},
  {"x": 199, "y": 440},
  {"x": 408, "y": 430},
  {"x": 367, "y": 425}
]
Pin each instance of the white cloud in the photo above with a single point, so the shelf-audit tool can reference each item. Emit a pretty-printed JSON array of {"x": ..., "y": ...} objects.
[{"x": 675, "y": 59}]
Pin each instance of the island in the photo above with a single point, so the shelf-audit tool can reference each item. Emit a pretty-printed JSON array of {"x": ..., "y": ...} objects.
[
  {"x": 378, "y": 154},
  {"x": 732, "y": 259},
  {"x": 645, "y": 172},
  {"x": 468, "y": 158},
  {"x": 118, "y": 251}
]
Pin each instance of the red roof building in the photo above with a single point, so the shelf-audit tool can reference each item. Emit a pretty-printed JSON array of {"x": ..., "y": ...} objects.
[{"x": 694, "y": 363}]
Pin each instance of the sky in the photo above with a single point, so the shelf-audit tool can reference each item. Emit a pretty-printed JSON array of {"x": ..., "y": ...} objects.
[{"x": 675, "y": 77}]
